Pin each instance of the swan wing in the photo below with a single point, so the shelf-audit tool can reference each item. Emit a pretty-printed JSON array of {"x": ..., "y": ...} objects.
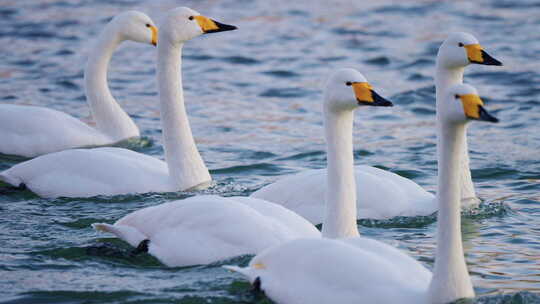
[
  {"x": 90, "y": 172},
  {"x": 208, "y": 228},
  {"x": 381, "y": 194},
  {"x": 31, "y": 131}
]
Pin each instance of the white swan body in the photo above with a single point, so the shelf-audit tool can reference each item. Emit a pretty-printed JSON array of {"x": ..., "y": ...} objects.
[
  {"x": 114, "y": 171},
  {"x": 336, "y": 271},
  {"x": 356, "y": 269},
  {"x": 207, "y": 228},
  {"x": 91, "y": 172},
  {"x": 30, "y": 131},
  {"x": 384, "y": 194}
]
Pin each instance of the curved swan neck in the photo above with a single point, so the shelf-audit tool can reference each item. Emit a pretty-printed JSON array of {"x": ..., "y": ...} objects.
[
  {"x": 451, "y": 279},
  {"x": 186, "y": 167},
  {"x": 110, "y": 119},
  {"x": 340, "y": 217}
]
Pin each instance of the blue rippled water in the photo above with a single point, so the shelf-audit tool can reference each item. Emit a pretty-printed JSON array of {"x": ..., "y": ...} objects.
[{"x": 254, "y": 101}]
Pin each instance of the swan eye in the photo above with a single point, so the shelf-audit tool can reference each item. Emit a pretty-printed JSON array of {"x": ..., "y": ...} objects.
[
  {"x": 461, "y": 44},
  {"x": 190, "y": 18},
  {"x": 456, "y": 96},
  {"x": 348, "y": 83},
  {"x": 148, "y": 25}
]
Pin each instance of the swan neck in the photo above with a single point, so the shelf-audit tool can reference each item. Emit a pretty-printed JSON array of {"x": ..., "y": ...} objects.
[
  {"x": 340, "y": 217},
  {"x": 110, "y": 119},
  {"x": 445, "y": 78},
  {"x": 451, "y": 280},
  {"x": 186, "y": 167}
]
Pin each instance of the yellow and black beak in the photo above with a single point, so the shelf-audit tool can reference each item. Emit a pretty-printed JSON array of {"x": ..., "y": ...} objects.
[
  {"x": 154, "y": 34},
  {"x": 476, "y": 54},
  {"x": 365, "y": 95},
  {"x": 473, "y": 107},
  {"x": 211, "y": 26}
]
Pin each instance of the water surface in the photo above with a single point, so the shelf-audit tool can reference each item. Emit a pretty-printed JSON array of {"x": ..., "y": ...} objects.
[{"x": 254, "y": 101}]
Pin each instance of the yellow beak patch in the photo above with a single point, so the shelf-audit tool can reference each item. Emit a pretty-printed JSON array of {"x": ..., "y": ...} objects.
[
  {"x": 474, "y": 52},
  {"x": 206, "y": 23},
  {"x": 471, "y": 105},
  {"x": 154, "y": 34},
  {"x": 362, "y": 90},
  {"x": 259, "y": 266}
]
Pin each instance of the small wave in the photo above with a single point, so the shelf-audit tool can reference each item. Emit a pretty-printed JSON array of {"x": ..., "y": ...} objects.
[
  {"x": 380, "y": 61},
  {"x": 400, "y": 222},
  {"x": 418, "y": 63},
  {"x": 281, "y": 73},
  {"x": 66, "y": 84},
  {"x": 505, "y": 78},
  {"x": 241, "y": 60},
  {"x": 260, "y": 168},
  {"x": 424, "y": 95},
  {"x": 310, "y": 155},
  {"x": 483, "y": 211},
  {"x": 71, "y": 297},
  {"x": 423, "y": 111},
  {"x": 495, "y": 173},
  {"x": 137, "y": 144},
  {"x": 285, "y": 93},
  {"x": 198, "y": 57},
  {"x": 419, "y": 77},
  {"x": 486, "y": 210},
  {"x": 419, "y": 10},
  {"x": 522, "y": 297},
  {"x": 115, "y": 251}
]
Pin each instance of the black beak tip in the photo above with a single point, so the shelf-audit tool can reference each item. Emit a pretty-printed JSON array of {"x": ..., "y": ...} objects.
[
  {"x": 387, "y": 103},
  {"x": 154, "y": 44},
  {"x": 485, "y": 116},
  {"x": 222, "y": 27},
  {"x": 380, "y": 101},
  {"x": 488, "y": 60}
]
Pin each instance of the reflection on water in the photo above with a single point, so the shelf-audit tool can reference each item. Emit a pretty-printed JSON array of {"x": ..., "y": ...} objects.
[{"x": 254, "y": 100}]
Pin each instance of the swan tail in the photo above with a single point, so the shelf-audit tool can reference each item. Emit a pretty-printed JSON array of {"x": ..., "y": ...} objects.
[
  {"x": 6, "y": 178},
  {"x": 127, "y": 233},
  {"x": 246, "y": 271}
]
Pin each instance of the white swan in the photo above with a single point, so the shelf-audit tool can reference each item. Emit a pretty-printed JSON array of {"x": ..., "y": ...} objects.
[
  {"x": 384, "y": 194},
  {"x": 357, "y": 269},
  {"x": 206, "y": 229},
  {"x": 30, "y": 131},
  {"x": 456, "y": 52},
  {"x": 112, "y": 171}
]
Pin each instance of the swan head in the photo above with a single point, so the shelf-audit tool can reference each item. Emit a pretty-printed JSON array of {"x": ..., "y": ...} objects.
[
  {"x": 136, "y": 26},
  {"x": 461, "y": 49},
  {"x": 347, "y": 89},
  {"x": 182, "y": 24},
  {"x": 463, "y": 104}
]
